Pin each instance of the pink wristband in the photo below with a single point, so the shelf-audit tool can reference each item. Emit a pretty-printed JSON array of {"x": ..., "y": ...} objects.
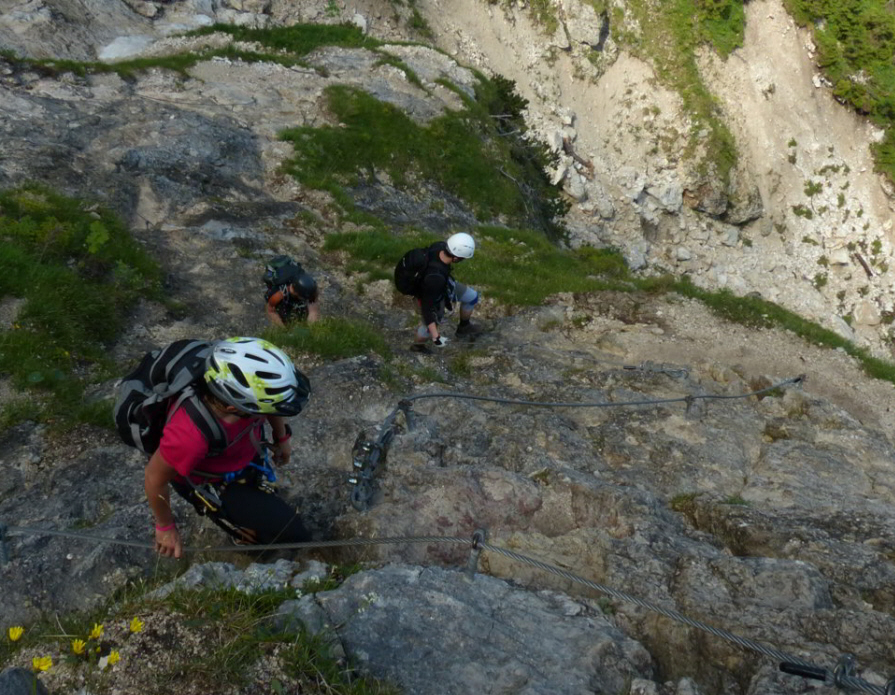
[{"x": 165, "y": 528}]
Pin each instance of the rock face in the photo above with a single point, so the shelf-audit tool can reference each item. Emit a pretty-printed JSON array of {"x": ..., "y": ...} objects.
[
  {"x": 18, "y": 681},
  {"x": 771, "y": 517},
  {"x": 530, "y": 642},
  {"x": 804, "y": 186}
]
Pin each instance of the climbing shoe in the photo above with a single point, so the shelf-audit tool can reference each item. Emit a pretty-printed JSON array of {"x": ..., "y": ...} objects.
[
  {"x": 468, "y": 329},
  {"x": 421, "y": 347}
]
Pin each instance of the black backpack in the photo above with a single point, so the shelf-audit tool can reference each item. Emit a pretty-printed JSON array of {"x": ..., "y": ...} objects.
[
  {"x": 144, "y": 396},
  {"x": 410, "y": 271},
  {"x": 281, "y": 270}
]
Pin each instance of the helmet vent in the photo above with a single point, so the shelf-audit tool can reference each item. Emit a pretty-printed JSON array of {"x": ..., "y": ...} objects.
[
  {"x": 238, "y": 375},
  {"x": 275, "y": 356}
]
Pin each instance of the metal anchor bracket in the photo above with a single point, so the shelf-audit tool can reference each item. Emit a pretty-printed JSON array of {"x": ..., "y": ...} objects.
[{"x": 478, "y": 537}]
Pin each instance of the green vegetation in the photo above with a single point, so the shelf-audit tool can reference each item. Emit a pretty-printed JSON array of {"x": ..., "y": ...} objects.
[
  {"x": 504, "y": 256},
  {"x": 288, "y": 46},
  {"x": 736, "y": 500},
  {"x": 473, "y": 154},
  {"x": 669, "y": 34},
  {"x": 76, "y": 272},
  {"x": 855, "y": 43},
  {"x": 298, "y": 39},
  {"x": 684, "y": 502},
  {"x": 224, "y": 635},
  {"x": 332, "y": 338},
  {"x": 812, "y": 188}
]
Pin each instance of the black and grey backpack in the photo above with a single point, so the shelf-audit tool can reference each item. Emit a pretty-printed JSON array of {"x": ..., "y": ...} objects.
[{"x": 144, "y": 399}]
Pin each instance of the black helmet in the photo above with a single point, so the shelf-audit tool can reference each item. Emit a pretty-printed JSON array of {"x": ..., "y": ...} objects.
[{"x": 305, "y": 286}]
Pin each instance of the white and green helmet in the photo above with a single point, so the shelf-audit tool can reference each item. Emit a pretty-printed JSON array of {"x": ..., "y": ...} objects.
[{"x": 256, "y": 377}]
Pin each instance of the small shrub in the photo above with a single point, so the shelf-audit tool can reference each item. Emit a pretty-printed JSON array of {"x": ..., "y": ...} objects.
[
  {"x": 802, "y": 211},
  {"x": 812, "y": 188}
]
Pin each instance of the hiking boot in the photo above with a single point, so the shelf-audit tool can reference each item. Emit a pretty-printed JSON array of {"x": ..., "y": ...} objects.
[
  {"x": 421, "y": 347},
  {"x": 468, "y": 328}
]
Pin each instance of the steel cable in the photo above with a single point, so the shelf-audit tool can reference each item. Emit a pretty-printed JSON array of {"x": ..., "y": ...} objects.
[{"x": 841, "y": 679}]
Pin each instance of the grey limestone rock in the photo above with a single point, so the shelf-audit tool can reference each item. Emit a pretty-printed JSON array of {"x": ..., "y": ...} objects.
[
  {"x": 18, "y": 681},
  {"x": 503, "y": 640}
]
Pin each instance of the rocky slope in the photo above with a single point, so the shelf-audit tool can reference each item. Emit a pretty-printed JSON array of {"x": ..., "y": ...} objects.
[{"x": 769, "y": 517}]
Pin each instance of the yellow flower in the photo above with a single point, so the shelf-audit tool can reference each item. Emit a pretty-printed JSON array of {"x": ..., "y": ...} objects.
[
  {"x": 114, "y": 658},
  {"x": 136, "y": 625},
  {"x": 77, "y": 646},
  {"x": 15, "y": 633},
  {"x": 41, "y": 663},
  {"x": 97, "y": 631}
]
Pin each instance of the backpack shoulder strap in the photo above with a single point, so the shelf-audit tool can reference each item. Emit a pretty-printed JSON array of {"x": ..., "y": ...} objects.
[{"x": 204, "y": 419}]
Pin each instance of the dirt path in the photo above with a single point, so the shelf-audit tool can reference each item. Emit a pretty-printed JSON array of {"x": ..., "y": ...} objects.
[{"x": 694, "y": 336}]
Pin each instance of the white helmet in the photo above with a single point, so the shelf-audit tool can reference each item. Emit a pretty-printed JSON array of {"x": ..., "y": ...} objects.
[
  {"x": 461, "y": 245},
  {"x": 256, "y": 377}
]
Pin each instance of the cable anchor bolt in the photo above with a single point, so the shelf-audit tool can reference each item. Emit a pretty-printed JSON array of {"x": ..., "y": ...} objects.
[
  {"x": 406, "y": 407},
  {"x": 478, "y": 538},
  {"x": 845, "y": 669}
]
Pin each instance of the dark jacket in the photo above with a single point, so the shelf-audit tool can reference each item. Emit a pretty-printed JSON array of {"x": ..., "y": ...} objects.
[{"x": 433, "y": 290}]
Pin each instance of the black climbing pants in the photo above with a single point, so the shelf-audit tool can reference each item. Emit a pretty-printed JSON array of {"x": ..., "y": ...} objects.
[{"x": 249, "y": 509}]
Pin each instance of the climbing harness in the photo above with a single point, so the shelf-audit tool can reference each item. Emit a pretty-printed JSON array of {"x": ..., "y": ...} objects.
[{"x": 369, "y": 454}]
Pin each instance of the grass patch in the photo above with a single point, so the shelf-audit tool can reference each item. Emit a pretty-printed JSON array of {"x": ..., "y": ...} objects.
[
  {"x": 299, "y": 39},
  {"x": 76, "y": 272},
  {"x": 223, "y": 636},
  {"x": 736, "y": 500},
  {"x": 503, "y": 256},
  {"x": 481, "y": 159},
  {"x": 289, "y": 46},
  {"x": 684, "y": 502},
  {"x": 461, "y": 365},
  {"x": 332, "y": 338},
  {"x": 855, "y": 43}
]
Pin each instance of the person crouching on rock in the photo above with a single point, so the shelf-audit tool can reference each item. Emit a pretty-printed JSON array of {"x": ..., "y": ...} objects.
[
  {"x": 247, "y": 384},
  {"x": 296, "y": 301},
  {"x": 438, "y": 291}
]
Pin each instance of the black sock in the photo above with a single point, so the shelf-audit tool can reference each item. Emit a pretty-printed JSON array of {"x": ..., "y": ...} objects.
[{"x": 464, "y": 322}]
